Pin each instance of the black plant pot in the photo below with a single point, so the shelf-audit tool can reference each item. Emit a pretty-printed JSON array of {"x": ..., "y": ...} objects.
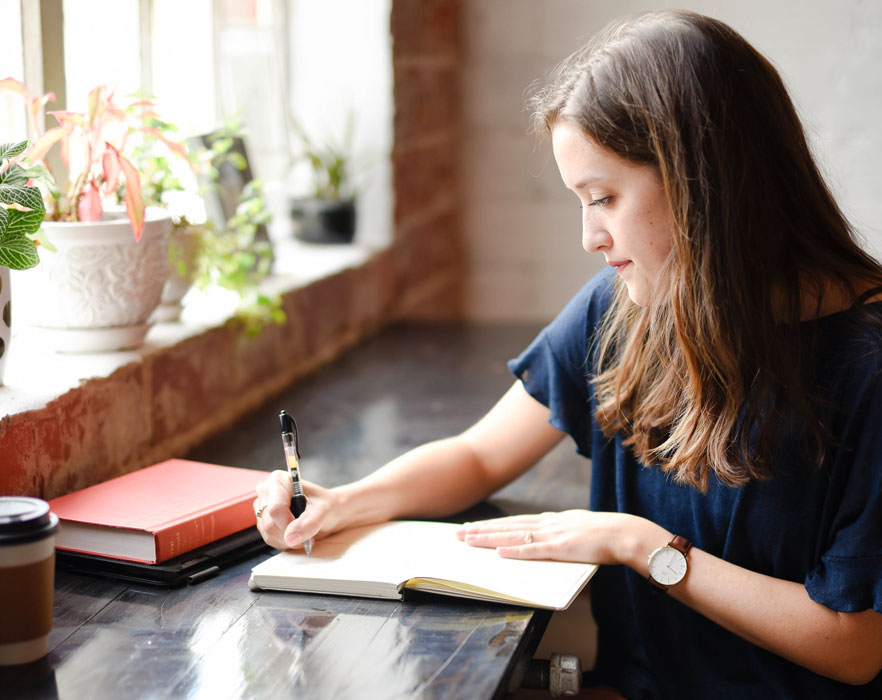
[{"x": 323, "y": 220}]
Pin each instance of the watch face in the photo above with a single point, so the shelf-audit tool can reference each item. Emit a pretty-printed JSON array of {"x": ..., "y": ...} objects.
[{"x": 667, "y": 566}]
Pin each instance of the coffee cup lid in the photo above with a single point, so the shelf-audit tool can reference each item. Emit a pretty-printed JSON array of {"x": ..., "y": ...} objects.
[{"x": 24, "y": 519}]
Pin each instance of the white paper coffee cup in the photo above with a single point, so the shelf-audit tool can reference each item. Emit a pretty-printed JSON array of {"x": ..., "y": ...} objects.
[{"x": 27, "y": 578}]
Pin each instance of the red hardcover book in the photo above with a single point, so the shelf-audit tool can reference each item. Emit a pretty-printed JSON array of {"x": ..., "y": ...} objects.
[{"x": 158, "y": 512}]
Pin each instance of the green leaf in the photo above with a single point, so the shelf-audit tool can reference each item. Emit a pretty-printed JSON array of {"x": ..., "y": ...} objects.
[
  {"x": 17, "y": 252},
  {"x": 40, "y": 237},
  {"x": 11, "y": 150},
  {"x": 42, "y": 174},
  {"x": 29, "y": 198},
  {"x": 14, "y": 176}
]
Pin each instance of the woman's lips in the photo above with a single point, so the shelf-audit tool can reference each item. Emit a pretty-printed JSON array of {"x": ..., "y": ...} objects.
[{"x": 621, "y": 265}]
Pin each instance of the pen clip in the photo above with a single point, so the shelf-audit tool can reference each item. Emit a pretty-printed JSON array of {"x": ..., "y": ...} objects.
[{"x": 289, "y": 427}]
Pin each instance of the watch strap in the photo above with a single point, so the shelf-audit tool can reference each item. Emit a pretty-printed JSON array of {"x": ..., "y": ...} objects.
[{"x": 681, "y": 544}]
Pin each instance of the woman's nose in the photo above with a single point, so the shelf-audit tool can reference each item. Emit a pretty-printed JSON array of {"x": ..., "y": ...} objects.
[{"x": 595, "y": 238}]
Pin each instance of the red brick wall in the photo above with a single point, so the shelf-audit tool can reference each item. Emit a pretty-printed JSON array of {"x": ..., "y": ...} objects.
[{"x": 429, "y": 251}]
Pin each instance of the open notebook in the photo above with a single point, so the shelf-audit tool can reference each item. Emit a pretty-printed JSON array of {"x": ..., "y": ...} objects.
[{"x": 383, "y": 560}]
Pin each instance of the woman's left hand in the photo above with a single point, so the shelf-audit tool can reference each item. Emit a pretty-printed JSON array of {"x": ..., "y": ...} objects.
[{"x": 571, "y": 535}]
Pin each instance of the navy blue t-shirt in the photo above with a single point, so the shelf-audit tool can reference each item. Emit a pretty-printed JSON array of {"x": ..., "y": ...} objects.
[{"x": 820, "y": 527}]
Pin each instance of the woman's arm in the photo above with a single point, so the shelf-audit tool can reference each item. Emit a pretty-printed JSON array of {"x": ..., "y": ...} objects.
[
  {"x": 433, "y": 480},
  {"x": 774, "y": 614}
]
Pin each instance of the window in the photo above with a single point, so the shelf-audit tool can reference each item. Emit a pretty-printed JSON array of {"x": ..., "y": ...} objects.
[
  {"x": 12, "y": 112},
  {"x": 101, "y": 47},
  {"x": 205, "y": 60}
]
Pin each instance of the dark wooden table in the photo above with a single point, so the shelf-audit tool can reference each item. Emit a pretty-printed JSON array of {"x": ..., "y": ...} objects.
[{"x": 217, "y": 639}]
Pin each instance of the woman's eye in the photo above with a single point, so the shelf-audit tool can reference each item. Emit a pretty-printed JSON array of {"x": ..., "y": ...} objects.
[{"x": 602, "y": 202}]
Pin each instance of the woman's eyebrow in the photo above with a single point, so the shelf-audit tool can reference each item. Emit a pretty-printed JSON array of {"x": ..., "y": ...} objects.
[{"x": 589, "y": 180}]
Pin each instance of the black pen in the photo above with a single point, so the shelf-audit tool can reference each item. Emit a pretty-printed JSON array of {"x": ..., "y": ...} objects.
[{"x": 291, "y": 441}]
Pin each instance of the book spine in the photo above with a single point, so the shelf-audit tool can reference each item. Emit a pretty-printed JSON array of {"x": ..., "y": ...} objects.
[{"x": 183, "y": 536}]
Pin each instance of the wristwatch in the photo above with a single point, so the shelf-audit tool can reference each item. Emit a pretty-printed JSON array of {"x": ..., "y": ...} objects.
[{"x": 668, "y": 565}]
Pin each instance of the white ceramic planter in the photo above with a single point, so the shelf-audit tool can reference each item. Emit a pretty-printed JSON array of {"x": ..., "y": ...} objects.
[
  {"x": 98, "y": 291},
  {"x": 5, "y": 319},
  {"x": 184, "y": 246}
]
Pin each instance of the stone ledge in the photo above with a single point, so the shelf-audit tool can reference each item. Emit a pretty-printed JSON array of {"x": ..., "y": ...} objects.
[{"x": 73, "y": 420}]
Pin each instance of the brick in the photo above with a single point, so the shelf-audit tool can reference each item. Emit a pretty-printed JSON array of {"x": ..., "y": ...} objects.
[
  {"x": 257, "y": 358},
  {"x": 19, "y": 474},
  {"x": 423, "y": 176},
  {"x": 375, "y": 292},
  {"x": 328, "y": 304},
  {"x": 425, "y": 26},
  {"x": 432, "y": 247},
  {"x": 427, "y": 100},
  {"x": 93, "y": 433},
  {"x": 191, "y": 380},
  {"x": 439, "y": 298}
]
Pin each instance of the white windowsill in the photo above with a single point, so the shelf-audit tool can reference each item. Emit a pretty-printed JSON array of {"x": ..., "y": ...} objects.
[{"x": 36, "y": 375}]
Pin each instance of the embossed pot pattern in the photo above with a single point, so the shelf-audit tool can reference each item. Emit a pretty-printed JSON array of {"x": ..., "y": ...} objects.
[{"x": 99, "y": 278}]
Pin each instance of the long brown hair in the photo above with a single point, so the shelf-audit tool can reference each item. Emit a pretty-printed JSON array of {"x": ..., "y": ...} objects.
[{"x": 701, "y": 379}]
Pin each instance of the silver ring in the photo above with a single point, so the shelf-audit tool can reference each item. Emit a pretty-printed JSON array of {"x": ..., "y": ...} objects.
[
  {"x": 528, "y": 537},
  {"x": 260, "y": 510}
]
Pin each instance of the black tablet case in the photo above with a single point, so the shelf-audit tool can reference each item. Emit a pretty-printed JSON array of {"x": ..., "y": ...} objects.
[{"x": 189, "y": 568}]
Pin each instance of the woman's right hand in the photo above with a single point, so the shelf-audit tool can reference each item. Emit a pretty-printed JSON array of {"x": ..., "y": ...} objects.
[{"x": 277, "y": 524}]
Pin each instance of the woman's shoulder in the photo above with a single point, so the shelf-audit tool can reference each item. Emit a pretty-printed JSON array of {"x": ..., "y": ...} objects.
[
  {"x": 847, "y": 349},
  {"x": 852, "y": 334}
]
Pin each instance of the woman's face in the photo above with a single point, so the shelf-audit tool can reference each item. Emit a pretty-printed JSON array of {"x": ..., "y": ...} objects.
[{"x": 625, "y": 214}]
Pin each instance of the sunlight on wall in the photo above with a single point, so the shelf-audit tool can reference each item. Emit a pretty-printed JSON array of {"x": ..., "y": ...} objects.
[
  {"x": 12, "y": 115},
  {"x": 100, "y": 48},
  {"x": 341, "y": 65},
  {"x": 183, "y": 58}
]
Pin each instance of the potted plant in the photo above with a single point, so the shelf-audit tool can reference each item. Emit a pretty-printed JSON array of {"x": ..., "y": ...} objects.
[
  {"x": 223, "y": 249},
  {"x": 21, "y": 213},
  {"x": 236, "y": 254},
  {"x": 327, "y": 214},
  {"x": 162, "y": 186},
  {"x": 97, "y": 292}
]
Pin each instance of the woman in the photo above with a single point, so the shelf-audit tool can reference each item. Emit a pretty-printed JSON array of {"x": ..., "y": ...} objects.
[{"x": 723, "y": 375}]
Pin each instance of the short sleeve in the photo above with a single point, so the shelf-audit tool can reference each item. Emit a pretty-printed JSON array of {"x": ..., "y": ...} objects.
[
  {"x": 555, "y": 368},
  {"x": 849, "y": 575}
]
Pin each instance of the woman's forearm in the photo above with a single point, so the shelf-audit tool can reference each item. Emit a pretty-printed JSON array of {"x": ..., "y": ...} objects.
[
  {"x": 433, "y": 480},
  {"x": 448, "y": 476},
  {"x": 774, "y": 614}
]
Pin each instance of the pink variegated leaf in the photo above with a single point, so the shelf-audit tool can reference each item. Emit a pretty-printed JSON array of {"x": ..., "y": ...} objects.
[
  {"x": 64, "y": 117},
  {"x": 64, "y": 150},
  {"x": 110, "y": 166},
  {"x": 46, "y": 141},
  {"x": 15, "y": 86},
  {"x": 38, "y": 103},
  {"x": 94, "y": 102},
  {"x": 115, "y": 112},
  {"x": 175, "y": 148},
  {"x": 89, "y": 207},
  {"x": 133, "y": 199}
]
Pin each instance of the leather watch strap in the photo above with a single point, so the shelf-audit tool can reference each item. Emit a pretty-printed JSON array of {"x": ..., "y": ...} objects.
[{"x": 681, "y": 544}]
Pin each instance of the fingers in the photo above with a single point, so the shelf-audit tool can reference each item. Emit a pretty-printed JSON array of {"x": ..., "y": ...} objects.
[
  {"x": 516, "y": 536},
  {"x": 513, "y": 536},
  {"x": 511, "y": 524},
  {"x": 506, "y": 538},
  {"x": 273, "y": 502},
  {"x": 277, "y": 525},
  {"x": 312, "y": 521}
]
